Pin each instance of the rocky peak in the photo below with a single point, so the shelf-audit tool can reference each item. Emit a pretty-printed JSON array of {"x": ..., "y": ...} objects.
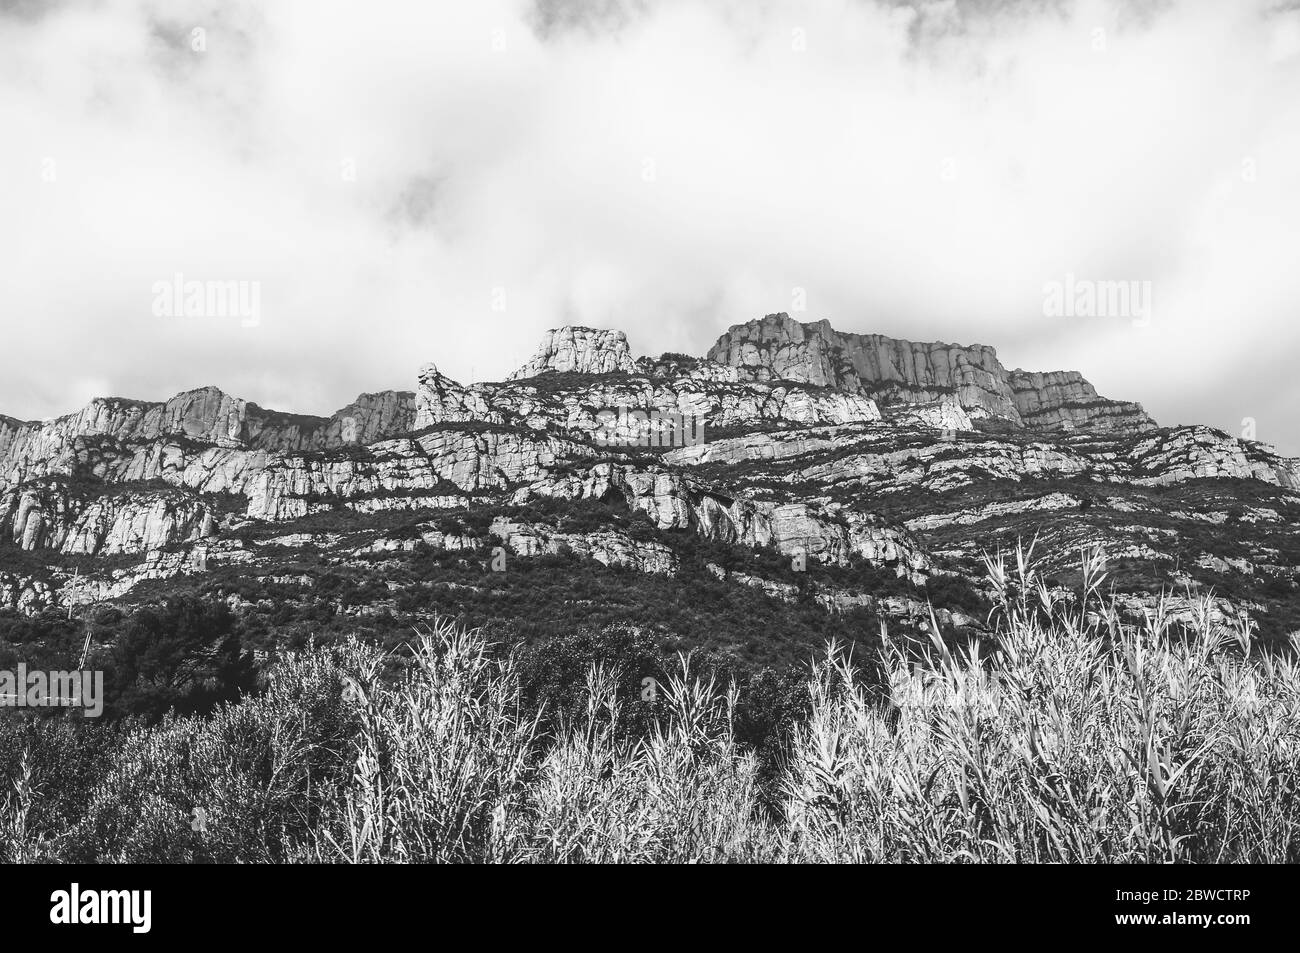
[
  {"x": 206, "y": 413},
  {"x": 892, "y": 370},
  {"x": 799, "y": 435},
  {"x": 895, "y": 371},
  {"x": 1063, "y": 400},
  {"x": 439, "y": 399},
  {"x": 584, "y": 350}
]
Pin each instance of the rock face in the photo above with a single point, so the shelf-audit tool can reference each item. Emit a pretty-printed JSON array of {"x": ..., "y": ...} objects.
[
  {"x": 585, "y": 350},
  {"x": 946, "y": 415},
  {"x": 826, "y": 533},
  {"x": 369, "y": 418},
  {"x": 896, "y": 371},
  {"x": 121, "y": 523},
  {"x": 1063, "y": 400},
  {"x": 23, "y": 594},
  {"x": 607, "y": 548},
  {"x": 844, "y": 450},
  {"x": 892, "y": 370},
  {"x": 874, "y": 461},
  {"x": 705, "y": 393},
  {"x": 718, "y": 405},
  {"x": 439, "y": 399},
  {"x": 205, "y": 416}
]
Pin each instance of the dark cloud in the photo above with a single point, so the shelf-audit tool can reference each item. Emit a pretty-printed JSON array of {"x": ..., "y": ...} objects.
[
  {"x": 600, "y": 18},
  {"x": 31, "y": 9}
]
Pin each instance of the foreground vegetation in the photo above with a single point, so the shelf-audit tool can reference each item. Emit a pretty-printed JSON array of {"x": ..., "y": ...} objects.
[{"x": 1065, "y": 736}]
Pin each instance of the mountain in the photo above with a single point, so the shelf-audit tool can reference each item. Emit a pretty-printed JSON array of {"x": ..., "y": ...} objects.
[
  {"x": 902, "y": 372},
  {"x": 816, "y": 479}
]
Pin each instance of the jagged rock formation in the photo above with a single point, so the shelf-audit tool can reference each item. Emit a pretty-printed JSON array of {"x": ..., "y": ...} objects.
[
  {"x": 826, "y": 533},
  {"x": 896, "y": 371},
  {"x": 584, "y": 350},
  {"x": 945, "y": 415},
  {"x": 22, "y": 593},
  {"x": 439, "y": 399},
  {"x": 872, "y": 459},
  {"x": 706, "y": 393},
  {"x": 1063, "y": 400},
  {"x": 606, "y": 548},
  {"x": 778, "y": 347},
  {"x": 53, "y": 517},
  {"x": 840, "y": 450},
  {"x": 208, "y": 416}
]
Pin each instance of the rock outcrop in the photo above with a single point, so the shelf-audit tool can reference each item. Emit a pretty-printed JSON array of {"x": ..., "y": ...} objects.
[
  {"x": 891, "y": 370},
  {"x": 1063, "y": 400},
  {"x": 895, "y": 371},
  {"x": 874, "y": 460},
  {"x": 607, "y": 548},
  {"x": 706, "y": 393},
  {"x": 584, "y": 350},
  {"x": 439, "y": 399},
  {"x": 843, "y": 448},
  {"x": 22, "y": 593},
  {"x": 945, "y": 415},
  {"x": 51, "y": 517},
  {"x": 826, "y": 533},
  {"x": 206, "y": 416}
]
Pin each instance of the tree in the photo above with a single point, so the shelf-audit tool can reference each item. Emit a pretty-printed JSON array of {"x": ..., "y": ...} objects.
[{"x": 186, "y": 656}]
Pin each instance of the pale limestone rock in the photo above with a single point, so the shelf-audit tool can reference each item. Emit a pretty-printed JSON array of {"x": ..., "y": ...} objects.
[
  {"x": 375, "y": 455},
  {"x": 897, "y": 371},
  {"x": 1050, "y": 503},
  {"x": 439, "y": 399},
  {"x": 206, "y": 416},
  {"x": 945, "y": 415},
  {"x": 715, "y": 405},
  {"x": 607, "y": 547},
  {"x": 870, "y": 458},
  {"x": 826, "y": 534},
  {"x": 23, "y": 594},
  {"x": 50, "y": 517},
  {"x": 584, "y": 350},
  {"x": 892, "y": 370},
  {"x": 1063, "y": 400}
]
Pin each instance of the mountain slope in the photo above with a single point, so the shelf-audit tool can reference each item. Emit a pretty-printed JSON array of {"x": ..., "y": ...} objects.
[{"x": 840, "y": 472}]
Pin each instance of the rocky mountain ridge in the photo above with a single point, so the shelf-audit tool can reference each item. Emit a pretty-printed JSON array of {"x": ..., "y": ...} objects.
[
  {"x": 898, "y": 371},
  {"x": 855, "y": 453}
]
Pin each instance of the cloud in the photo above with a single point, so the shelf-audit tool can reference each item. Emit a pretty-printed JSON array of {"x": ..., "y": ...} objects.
[{"x": 413, "y": 182}]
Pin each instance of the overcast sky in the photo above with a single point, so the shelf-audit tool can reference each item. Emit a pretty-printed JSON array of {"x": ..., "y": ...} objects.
[{"x": 437, "y": 181}]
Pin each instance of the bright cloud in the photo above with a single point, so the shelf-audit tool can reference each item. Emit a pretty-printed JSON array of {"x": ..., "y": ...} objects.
[{"x": 412, "y": 182}]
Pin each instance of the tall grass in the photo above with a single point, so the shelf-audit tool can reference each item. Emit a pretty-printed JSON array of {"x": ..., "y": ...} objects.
[
  {"x": 1066, "y": 736},
  {"x": 1077, "y": 739}
]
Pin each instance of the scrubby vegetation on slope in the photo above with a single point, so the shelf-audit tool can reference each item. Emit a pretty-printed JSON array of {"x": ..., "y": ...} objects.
[{"x": 1068, "y": 736}]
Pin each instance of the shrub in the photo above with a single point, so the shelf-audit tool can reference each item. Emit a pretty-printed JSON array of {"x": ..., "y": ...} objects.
[{"x": 1067, "y": 735}]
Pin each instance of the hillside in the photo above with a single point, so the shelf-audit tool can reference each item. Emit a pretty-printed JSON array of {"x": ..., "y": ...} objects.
[{"x": 817, "y": 481}]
